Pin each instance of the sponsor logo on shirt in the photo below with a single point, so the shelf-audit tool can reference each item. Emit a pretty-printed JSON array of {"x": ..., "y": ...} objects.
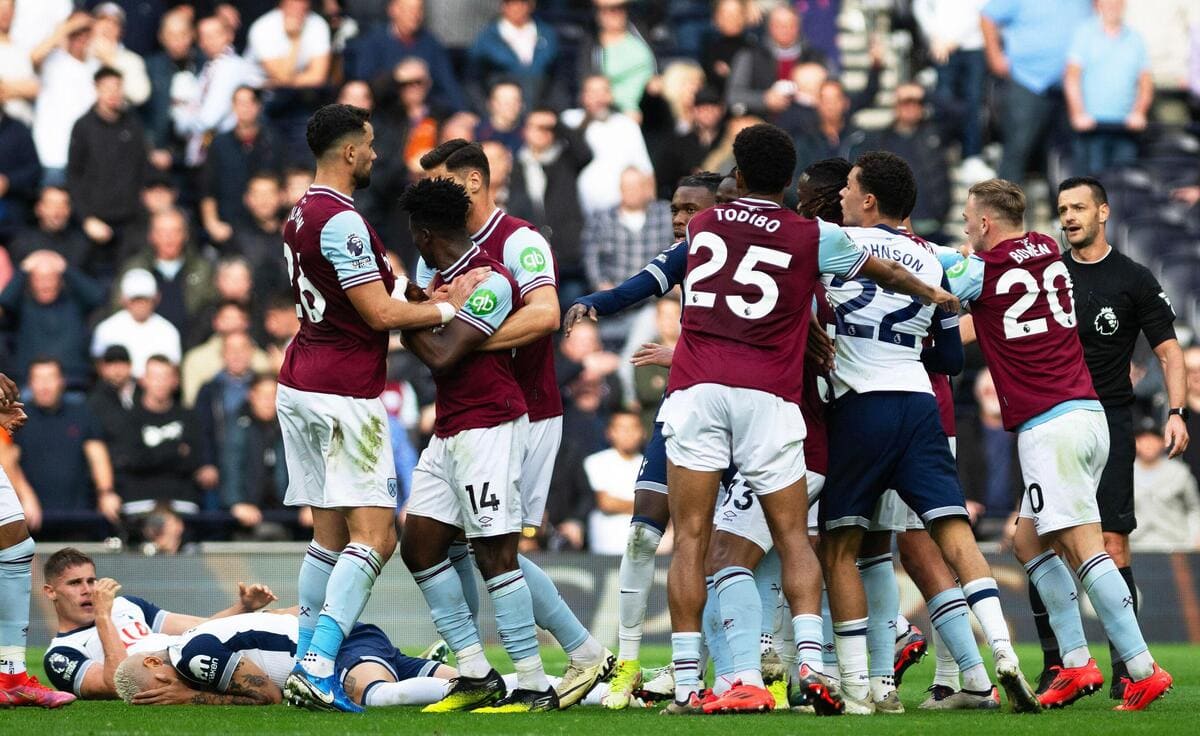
[
  {"x": 1106, "y": 322},
  {"x": 354, "y": 244},
  {"x": 483, "y": 302},
  {"x": 203, "y": 668},
  {"x": 957, "y": 269},
  {"x": 533, "y": 260}
]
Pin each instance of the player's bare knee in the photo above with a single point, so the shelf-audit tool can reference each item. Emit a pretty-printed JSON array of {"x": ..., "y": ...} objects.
[
  {"x": 875, "y": 543},
  {"x": 1117, "y": 547},
  {"x": 495, "y": 555}
]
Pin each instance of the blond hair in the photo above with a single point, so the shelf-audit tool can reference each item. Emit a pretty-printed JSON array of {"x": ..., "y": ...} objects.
[
  {"x": 132, "y": 677},
  {"x": 1002, "y": 197}
]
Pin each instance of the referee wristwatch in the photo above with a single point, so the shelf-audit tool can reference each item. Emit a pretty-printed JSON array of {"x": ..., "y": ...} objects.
[{"x": 1182, "y": 412}]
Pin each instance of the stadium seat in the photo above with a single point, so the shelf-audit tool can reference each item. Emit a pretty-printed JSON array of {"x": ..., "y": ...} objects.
[{"x": 1144, "y": 238}]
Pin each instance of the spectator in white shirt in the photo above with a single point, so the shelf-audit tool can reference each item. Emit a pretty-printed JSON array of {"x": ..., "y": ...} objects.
[
  {"x": 208, "y": 108},
  {"x": 34, "y": 22},
  {"x": 18, "y": 83},
  {"x": 68, "y": 91},
  {"x": 616, "y": 142},
  {"x": 612, "y": 474},
  {"x": 136, "y": 327},
  {"x": 292, "y": 45},
  {"x": 109, "y": 51},
  {"x": 1166, "y": 502}
]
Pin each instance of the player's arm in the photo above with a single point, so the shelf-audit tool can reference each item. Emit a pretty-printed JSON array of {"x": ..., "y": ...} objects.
[
  {"x": 656, "y": 279},
  {"x": 838, "y": 255},
  {"x": 249, "y": 685},
  {"x": 1156, "y": 317},
  {"x": 536, "y": 318},
  {"x": 946, "y": 354},
  {"x": 482, "y": 316},
  {"x": 103, "y": 595},
  {"x": 250, "y": 599}
]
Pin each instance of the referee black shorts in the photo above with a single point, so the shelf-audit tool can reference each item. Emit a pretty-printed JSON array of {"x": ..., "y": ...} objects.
[{"x": 1115, "y": 493}]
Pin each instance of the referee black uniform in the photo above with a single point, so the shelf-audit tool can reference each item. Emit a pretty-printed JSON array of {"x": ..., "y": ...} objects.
[{"x": 1115, "y": 299}]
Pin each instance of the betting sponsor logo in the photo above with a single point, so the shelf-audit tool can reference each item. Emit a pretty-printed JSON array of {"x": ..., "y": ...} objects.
[
  {"x": 533, "y": 260},
  {"x": 483, "y": 302}
]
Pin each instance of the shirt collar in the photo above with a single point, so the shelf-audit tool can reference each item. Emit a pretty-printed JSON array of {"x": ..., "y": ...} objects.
[{"x": 459, "y": 266}]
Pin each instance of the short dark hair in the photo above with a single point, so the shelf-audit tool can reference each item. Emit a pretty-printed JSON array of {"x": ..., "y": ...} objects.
[
  {"x": 709, "y": 180},
  {"x": 264, "y": 174},
  {"x": 459, "y": 155},
  {"x": 1098, "y": 192},
  {"x": 819, "y": 189},
  {"x": 439, "y": 205},
  {"x": 254, "y": 91},
  {"x": 890, "y": 179},
  {"x": 281, "y": 300},
  {"x": 332, "y": 123},
  {"x": 235, "y": 304},
  {"x": 67, "y": 557},
  {"x": 766, "y": 158},
  {"x": 44, "y": 360},
  {"x": 105, "y": 72},
  {"x": 160, "y": 358}
]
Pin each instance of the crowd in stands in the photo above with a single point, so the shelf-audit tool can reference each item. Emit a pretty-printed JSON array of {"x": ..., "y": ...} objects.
[{"x": 151, "y": 149}]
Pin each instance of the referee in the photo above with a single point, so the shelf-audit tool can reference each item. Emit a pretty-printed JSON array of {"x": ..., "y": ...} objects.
[{"x": 1115, "y": 299}]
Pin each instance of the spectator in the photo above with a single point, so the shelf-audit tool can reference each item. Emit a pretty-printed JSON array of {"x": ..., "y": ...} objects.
[
  {"x": 951, "y": 29},
  {"x": 54, "y": 230},
  {"x": 1031, "y": 61},
  {"x": 1108, "y": 89},
  {"x": 760, "y": 77},
  {"x": 184, "y": 278},
  {"x": 112, "y": 396},
  {"x": 281, "y": 325},
  {"x": 20, "y": 173},
  {"x": 1191, "y": 361},
  {"x": 503, "y": 123},
  {"x": 518, "y": 47},
  {"x": 801, "y": 113},
  {"x": 46, "y": 307},
  {"x": 825, "y": 136},
  {"x": 619, "y": 54},
  {"x": 107, "y": 48},
  {"x": 726, "y": 39},
  {"x": 18, "y": 83},
  {"x": 163, "y": 531},
  {"x": 543, "y": 190},
  {"x": 136, "y": 327},
  {"x": 253, "y": 472},
  {"x": 650, "y": 379},
  {"x": 154, "y": 455},
  {"x": 377, "y": 52},
  {"x": 258, "y": 234},
  {"x": 250, "y": 148},
  {"x": 68, "y": 89},
  {"x": 668, "y": 104},
  {"x": 296, "y": 181},
  {"x": 217, "y": 406},
  {"x": 204, "y": 362},
  {"x": 587, "y": 376},
  {"x": 997, "y": 448},
  {"x": 619, "y": 242},
  {"x": 612, "y": 474},
  {"x": 61, "y": 454},
  {"x": 500, "y": 164},
  {"x": 571, "y": 503},
  {"x": 616, "y": 143},
  {"x": 292, "y": 46},
  {"x": 158, "y": 195},
  {"x": 683, "y": 153},
  {"x": 178, "y": 62},
  {"x": 918, "y": 141},
  {"x": 207, "y": 109},
  {"x": 105, "y": 169},
  {"x": 1164, "y": 491}
]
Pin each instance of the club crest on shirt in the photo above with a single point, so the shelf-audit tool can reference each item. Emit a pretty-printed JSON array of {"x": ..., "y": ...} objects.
[
  {"x": 355, "y": 244},
  {"x": 1106, "y": 322}
]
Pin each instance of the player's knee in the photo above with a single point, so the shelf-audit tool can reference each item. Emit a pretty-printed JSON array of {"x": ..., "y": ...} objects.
[
  {"x": 1117, "y": 547},
  {"x": 640, "y": 543},
  {"x": 494, "y": 558},
  {"x": 416, "y": 556}
]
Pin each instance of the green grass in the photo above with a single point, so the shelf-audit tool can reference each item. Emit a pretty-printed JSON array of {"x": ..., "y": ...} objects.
[{"x": 1090, "y": 717}]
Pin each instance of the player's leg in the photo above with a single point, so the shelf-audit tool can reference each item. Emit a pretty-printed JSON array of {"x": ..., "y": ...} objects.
[
  {"x": 464, "y": 564},
  {"x": 330, "y": 536},
  {"x": 731, "y": 560},
  {"x": 878, "y": 574},
  {"x": 767, "y": 578},
  {"x": 923, "y": 562},
  {"x": 17, "y": 688},
  {"x": 1114, "y": 495},
  {"x": 375, "y": 673}
]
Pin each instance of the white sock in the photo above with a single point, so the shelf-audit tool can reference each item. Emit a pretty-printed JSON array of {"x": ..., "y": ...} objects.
[
  {"x": 850, "y": 641},
  {"x": 588, "y": 653},
  {"x": 413, "y": 691},
  {"x": 635, "y": 578},
  {"x": 975, "y": 679},
  {"x": 902, "y": 625},
  {"x": 317, "y": 665},
  {"x": 1140, "y": 666},
  {"x": 881, "y": 686},
  {"x": 12, "y": 660},
  {"x": 531, "y": 675},
  {"x": 946, "y": 670},
  {"x": 472, "y": 662},
  {"x": 749, "y": 677},
  {"x": 984, "y": 599},
  {"x": 1077, "y": 657}
]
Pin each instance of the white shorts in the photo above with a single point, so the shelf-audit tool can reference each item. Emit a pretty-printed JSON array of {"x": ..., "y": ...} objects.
[
  {"x": 473, "y": 479},
  {"x": 10, "y": 507},
  {"x": 1061, "y": 463},
  {"x": 537, "y": 469},
  {"x": 739, "y": 513},
  {"x": 893, "y": 515},
  {"x": 711, "y": 426},
  {"x": 338, "y": 450}
]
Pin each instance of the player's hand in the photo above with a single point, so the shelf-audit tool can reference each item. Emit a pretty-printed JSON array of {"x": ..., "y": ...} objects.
[
  {"x": 255, "y": 596},
  {"x": 465, "y": 285},
  {"x": 103, "y": 595},
  {"x": 9, "y": 391},
  {"x": 32, "y": 508},
  {"x": 576, "y": 313},
  {"x": 651, "y": 353},
  {"x": 945, "y": 300},
  {"x": 820, "y": 347},
  {"x": 414, "y": 293},
  {"x": 12, "y": 416},
  {"x": 174, "y": 693},
  {"x": 1175, "y": 434}
]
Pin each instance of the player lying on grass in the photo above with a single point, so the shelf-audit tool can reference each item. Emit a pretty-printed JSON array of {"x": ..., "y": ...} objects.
[{"x": 96, "y": 626}]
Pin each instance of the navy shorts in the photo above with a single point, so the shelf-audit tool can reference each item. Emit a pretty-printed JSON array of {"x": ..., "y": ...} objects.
[
  {"x": 888, "y": 439},
  {"x": 653, "y": 474},
  {"x": 368, "y": 643}
]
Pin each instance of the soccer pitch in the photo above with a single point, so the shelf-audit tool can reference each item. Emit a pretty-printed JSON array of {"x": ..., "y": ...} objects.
[{"x": 1089, "y": 717}]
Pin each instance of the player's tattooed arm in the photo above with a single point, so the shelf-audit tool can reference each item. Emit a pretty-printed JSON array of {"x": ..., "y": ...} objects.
[{"x": 248, "y": 686}]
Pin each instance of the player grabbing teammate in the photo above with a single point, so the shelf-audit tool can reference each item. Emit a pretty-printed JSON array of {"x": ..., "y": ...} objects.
[
  {"x": 17, "y": 686},
  {"x": 1019, "y": 290},
  {"x": 527, "y": 256},
  {"x": 468, "y": 479},
  {"x": 736, "y": 384},
  {"x": 335, "y": 429}
]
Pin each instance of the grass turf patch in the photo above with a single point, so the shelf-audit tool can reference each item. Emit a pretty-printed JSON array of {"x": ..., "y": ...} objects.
[{"x": 1093, "y": 716}]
